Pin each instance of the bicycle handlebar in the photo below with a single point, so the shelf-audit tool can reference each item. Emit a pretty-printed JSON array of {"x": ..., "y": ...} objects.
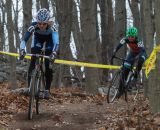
[
  {"x": 123, "y": 59},
  {"x": 38, "y": 55},
  {"x": 119, "y": 58}
]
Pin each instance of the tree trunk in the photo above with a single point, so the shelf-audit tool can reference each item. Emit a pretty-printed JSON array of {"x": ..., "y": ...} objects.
[
  {"x": 136, "y": 14},
  {"x": 16, "y": 29},
  {"x": 148, "y": 34},
  {"x": 107, "y": 34},
  {"x": 78, "y": 42},
  {"x": 64, "y": 15},
  {"x": 120, "y": 24},
  {"x": 37, "y": 4},
  {"x": 12, "y": 76},
  {"x": 27, "y": 19},
  {"x": 44, "y": 4},
  {"x": 2, "y": 34},
  {"x": 154, "y": 79},
  {"x": 88, "y": 26}
]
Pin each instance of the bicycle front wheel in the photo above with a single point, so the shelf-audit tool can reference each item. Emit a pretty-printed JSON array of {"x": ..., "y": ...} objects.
[
  {"x": 32, "y": 95},
  {"x": 114, "y": 87},
  {"x": 38, "y": 86}
]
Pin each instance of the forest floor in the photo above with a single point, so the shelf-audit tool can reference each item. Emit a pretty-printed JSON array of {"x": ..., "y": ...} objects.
[{"x": 72, "y": 109}]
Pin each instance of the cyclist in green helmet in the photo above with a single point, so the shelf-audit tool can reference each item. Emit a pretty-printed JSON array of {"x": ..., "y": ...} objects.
[{"x": 136, "y": 50}]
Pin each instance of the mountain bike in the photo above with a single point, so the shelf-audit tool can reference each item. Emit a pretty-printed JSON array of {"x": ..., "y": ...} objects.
[
  {"x": 118, "y": 78},
  {"x": 37, "y": 83}
]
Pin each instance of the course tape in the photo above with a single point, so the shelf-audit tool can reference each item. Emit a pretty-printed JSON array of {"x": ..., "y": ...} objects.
[
  {"x": 66, "y": 62},
  {"x": 150, "y": 62}
]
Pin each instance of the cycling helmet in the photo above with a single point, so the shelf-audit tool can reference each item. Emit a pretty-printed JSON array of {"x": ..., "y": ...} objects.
[
  {"x": 132, "y": 32},
  {"x": 43, "y": 15}
]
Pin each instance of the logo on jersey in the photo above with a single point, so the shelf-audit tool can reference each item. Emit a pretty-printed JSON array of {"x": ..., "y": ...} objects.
[
  {"x": 31, "y": 29},
  {"x": 122, "y": 41},
  {"x": 140, "y": 44}
]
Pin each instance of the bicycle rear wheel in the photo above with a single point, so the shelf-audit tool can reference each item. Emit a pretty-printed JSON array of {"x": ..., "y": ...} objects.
[
  {"x": 32, "y": 95},
  {"x": 114, "y": 87}
]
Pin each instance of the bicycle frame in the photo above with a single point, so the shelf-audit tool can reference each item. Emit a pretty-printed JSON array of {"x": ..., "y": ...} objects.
[
  {"x": 123, "y": 82},
  {"x": 36, "y": 83}
]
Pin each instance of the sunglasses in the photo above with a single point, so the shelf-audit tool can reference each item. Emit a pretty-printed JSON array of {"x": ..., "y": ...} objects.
[{"x": 42, "y": 24}]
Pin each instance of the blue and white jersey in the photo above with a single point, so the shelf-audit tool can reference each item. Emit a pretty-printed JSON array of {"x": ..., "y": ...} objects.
[{"x": 50, "y": 36}]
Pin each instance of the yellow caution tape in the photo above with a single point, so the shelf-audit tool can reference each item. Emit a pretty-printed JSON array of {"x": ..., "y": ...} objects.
[
  {"x": 150, "y": 62},
  {"x": 66, "y": 62}
]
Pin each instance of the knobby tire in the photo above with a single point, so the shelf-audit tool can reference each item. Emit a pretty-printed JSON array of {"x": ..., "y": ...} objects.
[
  {"x": 32, "y": 95},
  {"x": 114, "y": 87}
]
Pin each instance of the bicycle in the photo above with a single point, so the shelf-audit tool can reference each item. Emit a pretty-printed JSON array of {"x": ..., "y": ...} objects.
[
  {"x": 113, "y": 90},
  {"x": 37, "y": 83}
]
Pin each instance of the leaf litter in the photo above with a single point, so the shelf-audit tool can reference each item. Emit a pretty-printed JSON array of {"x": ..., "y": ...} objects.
[{"x": 89, "y": 111}]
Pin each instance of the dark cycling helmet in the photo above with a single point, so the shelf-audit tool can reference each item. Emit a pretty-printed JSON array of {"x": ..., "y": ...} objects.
[
  {"x": 43, "y": 15},
  {"x": 132, "y": 32}
]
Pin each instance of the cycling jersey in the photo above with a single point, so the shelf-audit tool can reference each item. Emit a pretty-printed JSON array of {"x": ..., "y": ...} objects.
[
  {"x": 133, "y": 43},
  {"x": 50, "y": 36}
]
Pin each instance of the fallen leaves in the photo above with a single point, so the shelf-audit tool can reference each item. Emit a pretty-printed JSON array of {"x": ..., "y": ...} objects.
[{"x": 119, "y": 116}]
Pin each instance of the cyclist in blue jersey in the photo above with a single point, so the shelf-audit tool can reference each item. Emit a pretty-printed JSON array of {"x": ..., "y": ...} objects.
[
  {"x": 136, "y": 50},
  {"x": 42, "y": 31}
]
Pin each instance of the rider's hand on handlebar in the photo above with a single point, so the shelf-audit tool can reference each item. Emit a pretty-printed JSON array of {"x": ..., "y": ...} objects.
[
  {"x": 22, "y": 54},
  {"x": 53, "y": 55}
]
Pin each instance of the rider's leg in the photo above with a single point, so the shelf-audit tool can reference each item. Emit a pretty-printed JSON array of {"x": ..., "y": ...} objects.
[
  {"x": 128, "y": 64},
  {"x": 141, "y": 60},
  {"x": 48, "y": 72},
  {"x": 126, "y": 69},
  {"x": 32, "y": 65},
  {"x": 48, "y": 76}
]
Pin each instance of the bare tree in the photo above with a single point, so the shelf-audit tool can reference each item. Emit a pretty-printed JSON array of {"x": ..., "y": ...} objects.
[
  {"x": 120, "y": 22},
  {"x": 27, "y": 17},
  {"x": 2, "y": 26},
  {"x": 136, "y": 14},
  {"x": 54, "y": 8},
  {"x": 44, "y": 4},
  {"x": 107, "y": 33},
  {"x": 37, "y": 4},
  {"x": 64, "y": 16},
  {"x": 148, "y": 24},
  {"x": 78, "y": 40},
  {"x": 16, "y": 29},
  {"x": 153, "y": 79},
  {"x": 88, "y": 26},
  {"x": 1, "y": 33},
  {"x": 148, "y": 32},
  {"x": 12, "y": 75}
]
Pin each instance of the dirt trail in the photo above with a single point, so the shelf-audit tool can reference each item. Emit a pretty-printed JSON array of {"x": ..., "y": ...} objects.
[
  {"x": 67, "y": 116},
  {"x": 75, "y": 113}
]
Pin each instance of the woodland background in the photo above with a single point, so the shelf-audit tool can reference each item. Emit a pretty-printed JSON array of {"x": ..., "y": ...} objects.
[{"x": 94, "y": 26}]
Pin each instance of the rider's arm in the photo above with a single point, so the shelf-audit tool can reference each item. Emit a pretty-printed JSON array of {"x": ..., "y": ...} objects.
[
  {"x": 121, "y": 43},
  {"x": 27, "y": 35},
  {"x": 142, "y": 49},
  {"x": 55, "y": 37}
]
